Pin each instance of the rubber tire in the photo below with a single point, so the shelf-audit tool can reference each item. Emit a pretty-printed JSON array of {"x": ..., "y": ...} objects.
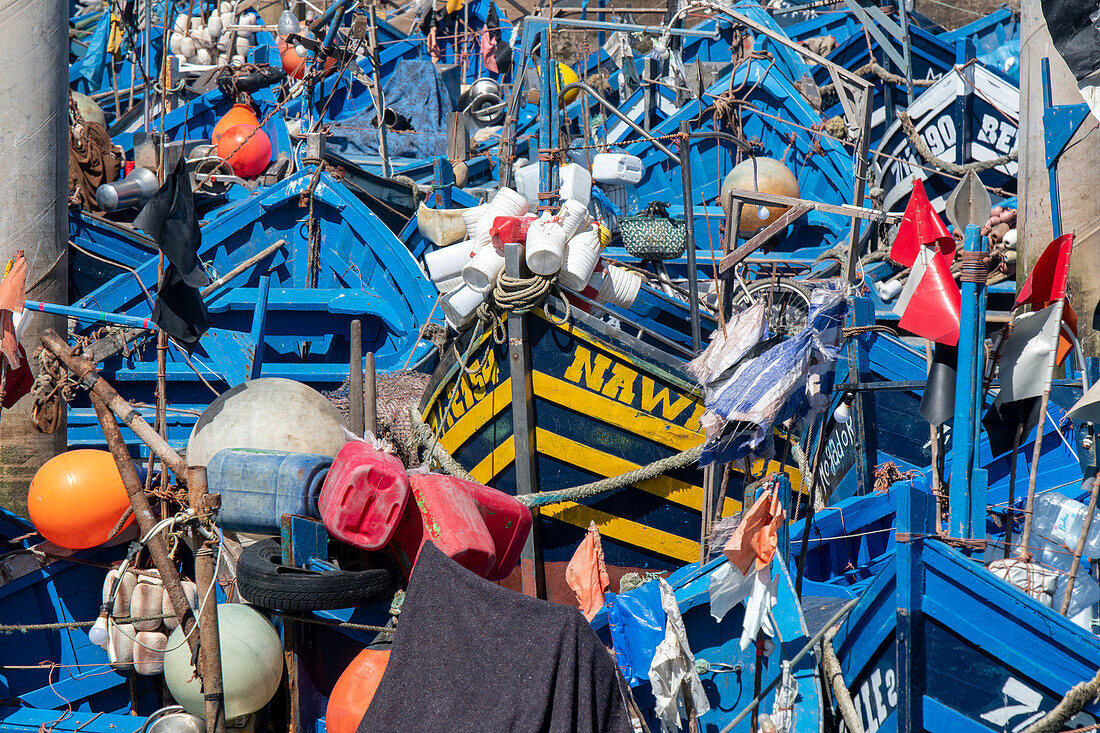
[{"x": 264, "y": 581}]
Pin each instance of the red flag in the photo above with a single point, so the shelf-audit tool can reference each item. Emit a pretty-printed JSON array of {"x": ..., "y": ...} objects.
[
  {"x": 586, "y": 573},
  {"x": 12, "y": 294},
  {"x": 920, "y": 226},
  {"x": 935, "y": 307},
  {"x": 1047, "y": 280}
]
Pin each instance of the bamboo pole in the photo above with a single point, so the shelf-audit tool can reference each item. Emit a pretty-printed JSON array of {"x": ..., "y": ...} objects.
[
  {"x": 1080, "y": 548},
  {"x": 206, "y": 571}
]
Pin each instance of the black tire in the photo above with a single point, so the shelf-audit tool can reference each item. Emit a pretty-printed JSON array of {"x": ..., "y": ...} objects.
[{"x": 264, "y": 581}]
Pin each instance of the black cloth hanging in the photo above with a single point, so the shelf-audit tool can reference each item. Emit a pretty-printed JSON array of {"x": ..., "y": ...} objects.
[
  {"x": 1075, "y": 29},
  {"x": 170, "y": 219},
  {"x": 470, "y": 655}
]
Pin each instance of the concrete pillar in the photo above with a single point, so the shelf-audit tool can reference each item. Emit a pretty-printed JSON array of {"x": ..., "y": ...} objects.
[
  {"x": 1077, "y": 175},
  {"x": 34, "y": 188}
]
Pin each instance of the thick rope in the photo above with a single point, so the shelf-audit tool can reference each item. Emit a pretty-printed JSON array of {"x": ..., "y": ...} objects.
[
  {"x": 423, "y": 434},
  {"x": 945, "y": 165},
  {"x": 24, "y": 628}
]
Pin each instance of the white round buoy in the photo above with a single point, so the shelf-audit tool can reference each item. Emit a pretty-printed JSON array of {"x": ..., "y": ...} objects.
[{"x": 252, "y": 663}]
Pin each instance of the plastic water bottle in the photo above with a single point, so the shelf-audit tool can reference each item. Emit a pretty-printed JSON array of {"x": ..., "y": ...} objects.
[{"x": 1060, "y": 519}]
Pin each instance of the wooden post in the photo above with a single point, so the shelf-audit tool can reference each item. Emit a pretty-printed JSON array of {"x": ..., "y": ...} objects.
[
  {"x": 85, "y": 371},
  {"x": 689, "y": 235},
  {"x": 523, "y": 428},
  {"x": 370, "y": 398},
  {"x": 356, "y": 411},
  {"x": 379, "y": 100},
  {"x": 143, "y": 514},
  {"x": 206, "y": 571}
]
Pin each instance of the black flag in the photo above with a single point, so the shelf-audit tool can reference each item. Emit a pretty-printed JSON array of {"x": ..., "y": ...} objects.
[
  {"x": 937, "y": 406},
  {"x": 1002, "y": 421},
  {"x": 170, "y": 219}
]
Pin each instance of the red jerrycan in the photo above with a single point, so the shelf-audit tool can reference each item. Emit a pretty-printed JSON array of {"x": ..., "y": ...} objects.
[
  {"x": 444, "y": 512},
  {"x": 364, "y": 495},
  {"x": 508, "y": 522},
  {"x": 480, "y": 528}
]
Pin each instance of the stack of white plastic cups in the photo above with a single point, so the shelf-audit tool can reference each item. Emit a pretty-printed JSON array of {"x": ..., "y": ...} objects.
[
  {"x": 445, "y": 264},
  {"x": 573, "y": 217},
  {"x": 615, "y": 286},
  {"x": 471, "y": 217},
  {"x": 481, "y": 272},
  {"x": 582, "y": 252},
  {"x": 545, "y": 246},
  {"x": 506, "y": 202}
]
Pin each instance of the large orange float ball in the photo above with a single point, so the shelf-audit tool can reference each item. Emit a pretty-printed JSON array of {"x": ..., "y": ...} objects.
[
  {"x": 76, "y": 499},
  {"x": 240, "y": 114},
  {"x": 246, "y": 148},
  {"x": 353, "y": 692}
]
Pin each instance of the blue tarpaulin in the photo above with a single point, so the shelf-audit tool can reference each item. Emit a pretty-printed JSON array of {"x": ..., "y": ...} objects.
[
  {"x": 414, "y": 91},
  {"x": 637, "y": 624}
]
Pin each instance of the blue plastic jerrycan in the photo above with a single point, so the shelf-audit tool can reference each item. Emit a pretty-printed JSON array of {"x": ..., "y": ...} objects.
[{"x": 258, "y": 487}]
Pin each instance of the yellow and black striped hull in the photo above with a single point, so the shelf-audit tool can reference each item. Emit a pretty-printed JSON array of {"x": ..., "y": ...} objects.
[{"x": 603, "y": 406}]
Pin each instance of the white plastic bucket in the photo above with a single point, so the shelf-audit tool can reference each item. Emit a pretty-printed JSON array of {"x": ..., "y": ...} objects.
[
  {"x": 447, "y": 262},
  {"x": 582, "y": 252},
  {"x": 480, "y": 273},
  {"x": 451, "y": 283},
  {"x": 620, "y": 287},
  {"x": 470, "y": 217},
  {"x": 545, "y": 247},
  {"x": 460, "y": 305},
  {"x": 574, "y": 217},
  {"x": 509, "y": 203}
]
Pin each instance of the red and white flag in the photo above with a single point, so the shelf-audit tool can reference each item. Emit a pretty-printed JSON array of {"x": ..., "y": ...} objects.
[{"x": 930, "y": 304}]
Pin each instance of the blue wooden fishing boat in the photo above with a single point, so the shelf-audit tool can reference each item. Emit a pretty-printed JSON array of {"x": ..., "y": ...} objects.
[
  {"x": 938, "y": 643},
  {"x": 289, "y": 314}
]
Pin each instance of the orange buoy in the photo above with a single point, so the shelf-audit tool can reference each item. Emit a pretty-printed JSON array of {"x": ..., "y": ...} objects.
[
  {"x": 246, "y": 148},
  {"x": 295, "y": 65},
  {"x": 240, "y": 114},
  {"x": 353, "y": 692},
  {"x": 76, "y": 499}
]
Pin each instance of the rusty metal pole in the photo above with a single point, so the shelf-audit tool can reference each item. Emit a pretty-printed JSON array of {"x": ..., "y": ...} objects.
[
  {"x": 85, "y": 371},
  {"x": 158, "y": 550},
  {"x": 355, "y": 380},
  {"x": 206, "y": 572}
]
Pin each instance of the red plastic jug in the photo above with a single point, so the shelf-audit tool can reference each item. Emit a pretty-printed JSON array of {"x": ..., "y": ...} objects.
[
  {"x": 509, "y": 523},
  {"x": 364, "y": 495},
  {"x": 510, "y": 229},
  {"x": 480, "y": 528},
  {"x": 444, "y": 512}
]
